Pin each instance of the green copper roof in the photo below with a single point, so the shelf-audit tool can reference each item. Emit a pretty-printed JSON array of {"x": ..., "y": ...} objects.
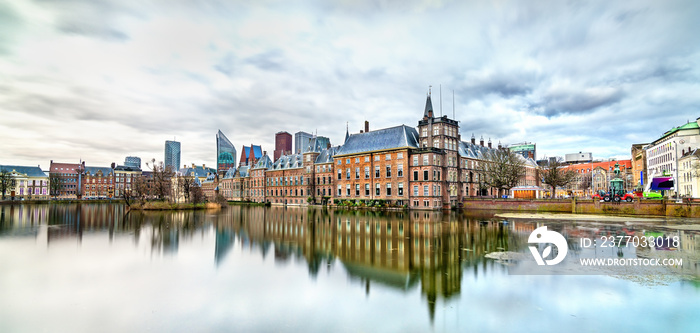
[{"x": 689, "y": 126}]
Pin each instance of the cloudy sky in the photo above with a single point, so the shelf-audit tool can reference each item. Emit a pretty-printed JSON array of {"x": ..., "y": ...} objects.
[{"x": 101, "y": 80}]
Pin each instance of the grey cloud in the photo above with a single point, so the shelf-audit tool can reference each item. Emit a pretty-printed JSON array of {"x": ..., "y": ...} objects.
[
  {"x": 576, "y": 101},
  {"x": 270, "y": 61}
]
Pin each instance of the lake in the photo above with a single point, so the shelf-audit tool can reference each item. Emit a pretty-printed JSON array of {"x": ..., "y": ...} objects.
[{"x": 92, "y": 267}]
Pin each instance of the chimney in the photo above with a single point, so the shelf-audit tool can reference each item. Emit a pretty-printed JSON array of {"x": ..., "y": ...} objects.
[
  {"x": 113, "y": 165},
  {"x": 530, "y": 155},
  {"x": 489, "y": 142},
  {"x": 366, "y": 126},
  {"x": 361, "y": 132},
  {"x": 264, "y": 152},
  {"x": 192, "y": 165},
  {"x": 204, "y": 166},
  {"x": 499, "y": 145},
  {"x": 473, "y": 139},
  {"x": 481, "y": 141},
  {"x": 328, "y": 145}
]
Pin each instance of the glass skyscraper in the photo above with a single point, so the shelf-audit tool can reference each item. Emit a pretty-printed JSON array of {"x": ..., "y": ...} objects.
[
  {"x": 172, "y": 155},
  {"x": 225, "y": 153}
]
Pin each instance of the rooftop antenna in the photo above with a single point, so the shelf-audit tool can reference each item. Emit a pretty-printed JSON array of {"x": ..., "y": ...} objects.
[
  {"x": 453, "y": 104},
  {"x": 440, "y": 99}
]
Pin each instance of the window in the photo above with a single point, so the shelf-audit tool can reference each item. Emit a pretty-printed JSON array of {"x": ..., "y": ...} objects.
[
  {"x": 347, "y": 173},
  {"x": 400, "y": 189},
  {"x": 415, "y": 160},
  {"x": 415, "y": 175},
  {"x": 366, "y": 172},
  {"x": 388, "y": 189},
  {"x": 388, "y": 157},
  {"x": 436, "y": 130},
  {"x": 366, "y": 158},
  {"x": 376, "y": 171},
  {"x": 400, "y": 171},
  {"x": 347, "y": 189},
  {"x": 366, "y": 189},
  {"x": 426, "y": 190},
  {"x": 357, "y": 173},
  {"x": 377, "y": 189},
  {"x": 357, "y": 160},
  {"x": 425, "y": 174},
  {"x": 415, "y": 190},
  {"x": 357, "y": 190},
  {"x": 376, "y": 158},
  {"x": 425, "y": 159},
  {"x": 399, "y": 156},
  {"x": 388, "y": 171},
  {"x": 340, "y": 191},
  {"x": 340, "y": 174},
  {"x": 424, "y": 132},
  {"x": 436, "y": 143},
  {"x": 347, "y": 161}
]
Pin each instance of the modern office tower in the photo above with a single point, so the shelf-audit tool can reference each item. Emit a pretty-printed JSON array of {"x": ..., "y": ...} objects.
[
  {"x": 225, "y": 153},
  {"x": 283, "y": 144},
  {"x": 132, "y": 161},
  {"x": 172, "y": 155},
  {"x": 301, "y": 141}
]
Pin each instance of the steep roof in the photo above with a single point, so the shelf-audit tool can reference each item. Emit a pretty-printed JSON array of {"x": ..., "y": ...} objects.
[
  {"x": 288, "y": 162},
  {"x": 230, "y": 173},
  {"x": 242, "y": 172},
  {"x": 91, "y": 171},
  {"x": 30, "y": 171},
  {"x": 472, "y": 150},
  {"x": 326, "y": 155},
  {"x": 428, "y": 107},
  {"x": 264, "y": 163},
  {"x": 198, "y": 171},
  {"x": 383, "y": 139}
]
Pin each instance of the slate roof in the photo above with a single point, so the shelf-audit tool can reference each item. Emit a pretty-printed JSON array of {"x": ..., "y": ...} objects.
[
  {"x": 230, "y": 173},
  {"x": 126, "y": 168},
  {"x": 383, "y": 139},
  {"x": 242, "y": 171},
  {"x": 199, "y": 171},
  {"x": 30, "y": 171},
  {"x": 257, "y": 151},
  {"x": 428, "y": 107},
  {"x": 91, "y": 171},
  {"x": 326, "y": 155},
  {"x": 293, "y": 161},
  {"x": 473, "y": 150},
  {"x": 263, "y": 163}
]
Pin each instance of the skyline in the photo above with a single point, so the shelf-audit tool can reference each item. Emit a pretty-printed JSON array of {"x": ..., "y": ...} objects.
[{"x": 100, "y": 81}]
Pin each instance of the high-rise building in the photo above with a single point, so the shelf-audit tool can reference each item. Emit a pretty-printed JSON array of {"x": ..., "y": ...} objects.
[
  {"x": 172, "y": 155},
  {"x": 225, "y": 153},
  {"x": 132, "y": 161},
  {"x": 283, "y": 144},
  {"x": 301, "y": 141},
  {"x": 526, "y": 149}
]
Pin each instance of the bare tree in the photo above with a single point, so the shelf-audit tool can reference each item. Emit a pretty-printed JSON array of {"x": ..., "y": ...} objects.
[
  {"x": 197, "y": 195},
  {"x": 555, "y": 175},
  {"x": 161, "y": 180},
  {"x": 55, "y": 185},
  {"x": 7, "y": 182},
  {"x": 502, "y": 169}
]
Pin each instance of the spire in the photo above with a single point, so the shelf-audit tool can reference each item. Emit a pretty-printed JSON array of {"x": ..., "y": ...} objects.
[
  {"x": 428, "y": 106},
  {"x": 347, "y": 132}
]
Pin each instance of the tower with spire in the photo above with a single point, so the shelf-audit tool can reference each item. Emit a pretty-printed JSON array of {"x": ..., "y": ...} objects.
[{"x": 438, "y": 155}]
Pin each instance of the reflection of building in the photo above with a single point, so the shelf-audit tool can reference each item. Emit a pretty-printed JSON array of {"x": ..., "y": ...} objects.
[
  {"x": 172, "y": 155},
  {"x": 225, "y": 153}
]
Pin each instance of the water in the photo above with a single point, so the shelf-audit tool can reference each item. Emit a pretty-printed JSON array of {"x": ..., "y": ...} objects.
[{"x": 86, "y": 268}]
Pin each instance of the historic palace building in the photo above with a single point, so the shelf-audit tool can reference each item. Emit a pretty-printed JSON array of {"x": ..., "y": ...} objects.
[{"x": 424, "y": 168}]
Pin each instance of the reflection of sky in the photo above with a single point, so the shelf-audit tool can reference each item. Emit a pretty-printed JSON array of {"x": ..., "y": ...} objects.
[{"x": 121, "y": 287}]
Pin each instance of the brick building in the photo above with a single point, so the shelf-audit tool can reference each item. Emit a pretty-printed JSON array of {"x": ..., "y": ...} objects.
[
  {"x": 98, "y": 183},
  {"x": 69, "y": 176},
  {"x": 283, "y": 144}
]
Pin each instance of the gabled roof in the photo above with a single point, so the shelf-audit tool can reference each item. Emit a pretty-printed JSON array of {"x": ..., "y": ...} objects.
[
  {"x": 293, "y": 161},
  {"x": 263, "y": 163},
  {"x": 326, "y": 155},
  {"x": 383, "y": 139},
  {"x": 30, "y": 171},
  {"x": 230, "y": 173},
  {"x": 91, "y": 171},
  {"x": 242, "y": 172},
  {"x": 472, "y": 150},
  {"x": 198, "y": 171}
]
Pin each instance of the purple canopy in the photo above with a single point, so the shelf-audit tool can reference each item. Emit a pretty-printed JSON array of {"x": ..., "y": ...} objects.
[{"x": 662, "y": 183}]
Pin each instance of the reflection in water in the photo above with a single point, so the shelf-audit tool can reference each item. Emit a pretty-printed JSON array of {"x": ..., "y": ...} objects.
[{"x": 396, "y": 250}]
